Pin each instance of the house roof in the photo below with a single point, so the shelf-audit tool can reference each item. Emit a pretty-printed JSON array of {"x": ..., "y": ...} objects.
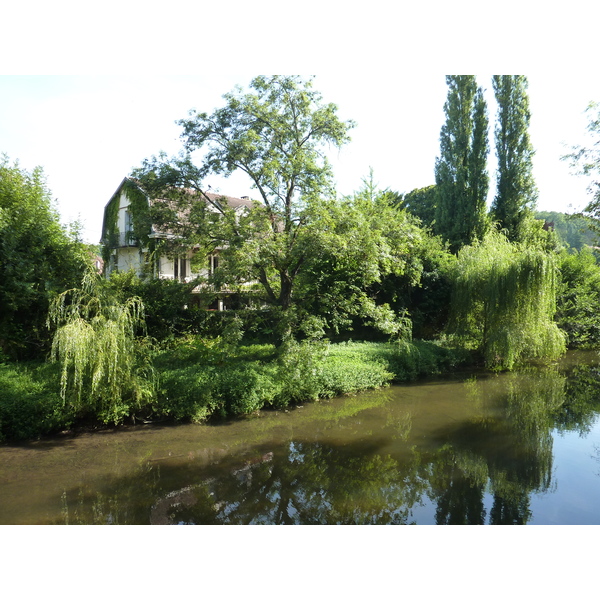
[{"x": 231, "y": 201}]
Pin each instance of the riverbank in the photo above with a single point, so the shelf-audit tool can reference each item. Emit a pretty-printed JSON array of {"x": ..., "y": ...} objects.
[
  {"x": 199, "y": 379},
  {"x": 470, "y": 448}
]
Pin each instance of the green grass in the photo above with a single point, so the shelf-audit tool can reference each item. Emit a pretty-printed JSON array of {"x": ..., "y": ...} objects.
[{"x": 199, "y": 379}]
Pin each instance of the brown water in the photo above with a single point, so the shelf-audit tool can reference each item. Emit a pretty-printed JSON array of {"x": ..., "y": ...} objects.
[{"x": 480, "y": 448}]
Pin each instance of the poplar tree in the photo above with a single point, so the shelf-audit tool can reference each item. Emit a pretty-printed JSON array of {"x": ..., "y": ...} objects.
[
  {"x": 516, "y": 190},
  {"x": 461, "y": 170}
]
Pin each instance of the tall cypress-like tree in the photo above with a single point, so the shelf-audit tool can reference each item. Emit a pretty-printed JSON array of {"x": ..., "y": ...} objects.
[
  {"x": 516, "y": 190},
  {"x": 461, "y": 170}
]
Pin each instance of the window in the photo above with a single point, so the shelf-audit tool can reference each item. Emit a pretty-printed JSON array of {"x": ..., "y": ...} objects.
[
  {"x": 180, "y": 268},
  {"x": 213, "y": 263}
]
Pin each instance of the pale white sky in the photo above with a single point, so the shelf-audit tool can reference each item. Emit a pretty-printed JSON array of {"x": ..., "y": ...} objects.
[{"x": 88, "y": 132}]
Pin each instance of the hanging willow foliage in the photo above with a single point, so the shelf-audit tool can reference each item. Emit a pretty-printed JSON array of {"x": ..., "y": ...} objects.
[
  {"x": 102, "y": 368},
  {"x": 504, "y": 300}
]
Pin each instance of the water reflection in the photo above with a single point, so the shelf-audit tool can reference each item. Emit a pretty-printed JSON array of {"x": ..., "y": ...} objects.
[{"x": 451, "y": 452}]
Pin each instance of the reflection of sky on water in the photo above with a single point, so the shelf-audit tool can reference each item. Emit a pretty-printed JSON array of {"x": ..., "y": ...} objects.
[
  {"x": 570, "y": 500},
  {"x": 577, "y": 477}
]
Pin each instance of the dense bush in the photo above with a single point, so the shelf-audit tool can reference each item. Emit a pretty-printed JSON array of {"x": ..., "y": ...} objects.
[
  {"x": 165, "y": 301},
  {"x": 578, "y": 301},
  {"x": 30, "y": 402}
]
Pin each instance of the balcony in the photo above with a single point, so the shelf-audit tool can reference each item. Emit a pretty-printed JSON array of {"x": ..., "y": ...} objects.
[{"x": 123, "y": 239}]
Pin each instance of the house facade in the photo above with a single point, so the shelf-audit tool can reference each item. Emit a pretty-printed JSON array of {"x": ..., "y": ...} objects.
[{"x": 129, "y": 238}]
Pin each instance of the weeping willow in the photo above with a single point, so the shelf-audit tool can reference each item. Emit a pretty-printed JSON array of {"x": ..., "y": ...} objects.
[
  {"x": 102, "y": 369},
  {"x": 504, "y": 300}
]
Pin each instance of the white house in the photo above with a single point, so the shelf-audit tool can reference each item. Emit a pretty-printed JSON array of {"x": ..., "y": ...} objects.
[{"x": 129, "y": 250}]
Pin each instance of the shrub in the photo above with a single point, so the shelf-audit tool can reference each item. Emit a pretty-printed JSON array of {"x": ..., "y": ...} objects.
[
  {"x": 30, "y": 402},
  {"x": 578, "y": 302}
]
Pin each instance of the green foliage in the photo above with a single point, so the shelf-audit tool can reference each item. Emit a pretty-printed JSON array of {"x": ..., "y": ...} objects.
[
  {"x": 30, "y": 402},
  {"x": 578, "y": 301},
  {"x": 110, "y": 228},
  {"x": 103, "y": 370},
  {"x": 586, "y": 161},
  {"x": 197, "y": 381},
  {"x": 504, "y": 300},
  {"x": 421, "y": 203},
  {"x": 573, "y": 231},
  {"x": 166, "y": 303},
  {"x": 353, "y": 248},
  {"x": 460, "y": 171},
  {"x": 404, "y": 360},
  {"x": 423, "y": 290},
  {"x": 532, "y": 233},
  {"x": 38, "y": 258},
  {"x": 274, "y": 133},
  {"x": 516, "y": 191}
]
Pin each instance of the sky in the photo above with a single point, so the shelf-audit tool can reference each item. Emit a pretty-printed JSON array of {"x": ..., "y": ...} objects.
[{"x": 88, "y": 131}]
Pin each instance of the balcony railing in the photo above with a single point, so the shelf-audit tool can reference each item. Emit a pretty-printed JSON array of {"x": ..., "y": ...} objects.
[{"x": 123, "y": 239}]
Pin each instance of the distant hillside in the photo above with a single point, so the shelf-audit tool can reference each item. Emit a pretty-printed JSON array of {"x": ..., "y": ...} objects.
[{"x": 573, "y": 231}]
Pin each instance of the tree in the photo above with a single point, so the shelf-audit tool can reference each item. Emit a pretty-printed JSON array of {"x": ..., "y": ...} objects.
[
  {"x": 516, "y": 190},
  {"x": 276, "y": 134},
  {"x": 364, "y": 252},
  {"x": 38, "y": 259},
  {"x": 460, "y": 171},
  {"x": 103, "y": 369},
  {"x": 578, "y": 301},
  {"x": 504, "y": 301},
  {"x": 421, "y": 203},
  {"x": 586, "y": 161}
]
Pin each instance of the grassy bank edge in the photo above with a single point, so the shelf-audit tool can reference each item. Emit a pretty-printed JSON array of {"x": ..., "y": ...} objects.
[{"x": 200, "y": 379}]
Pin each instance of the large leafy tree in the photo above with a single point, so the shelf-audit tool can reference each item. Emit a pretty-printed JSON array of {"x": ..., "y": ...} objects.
[
  {"x": 316, "y": 259},
  {"x": 38, "y": 259},
  {"x": 276, "y": 133},
  {"x": 461, "y": 169},
  {"x": 516, "y": 190}
]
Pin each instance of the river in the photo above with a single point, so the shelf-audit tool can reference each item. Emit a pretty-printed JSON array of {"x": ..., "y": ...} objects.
[{"x": 477, "y": 448}]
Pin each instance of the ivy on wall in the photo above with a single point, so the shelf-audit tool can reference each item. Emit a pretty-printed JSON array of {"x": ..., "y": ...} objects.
[
  {"x": 140, "y": 220},
  {"x": 110, "y": 230}
]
